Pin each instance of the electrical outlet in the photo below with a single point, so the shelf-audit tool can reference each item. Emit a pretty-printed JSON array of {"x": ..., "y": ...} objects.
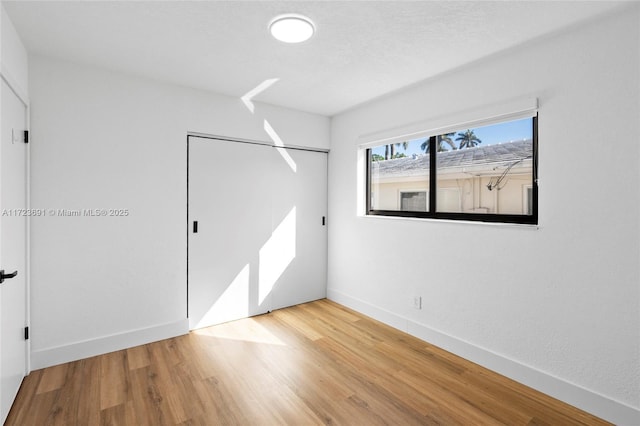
[{"x": 417, "y": 302}]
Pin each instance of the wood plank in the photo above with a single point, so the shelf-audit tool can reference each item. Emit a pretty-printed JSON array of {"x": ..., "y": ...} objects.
[
  {"x": 114, "y": 381},
  {"x": 80, "y": 397},
  {"x": 113, "y": 416},
  {"x": 298, "y": 324},
  {"x": 149, "y": 405},
  {"x": 138, "y": 357},
  {"x": 52, "y": 378},
  {"x": 312, "y": 364}
]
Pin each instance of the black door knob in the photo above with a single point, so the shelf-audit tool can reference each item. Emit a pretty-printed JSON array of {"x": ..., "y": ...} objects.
[{"x": 4, "y": 276}]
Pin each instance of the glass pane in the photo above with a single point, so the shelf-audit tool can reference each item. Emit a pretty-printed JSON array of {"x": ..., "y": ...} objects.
[
  {"x": 486, "y": 170},
  {"x": 400, "y": 176},
  {"x": 413, "y": 201}
]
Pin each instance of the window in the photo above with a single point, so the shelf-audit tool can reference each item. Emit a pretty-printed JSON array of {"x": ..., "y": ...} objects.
[
  {"x": 415, "y": 201},
  {"x": 486, "y": 173}
]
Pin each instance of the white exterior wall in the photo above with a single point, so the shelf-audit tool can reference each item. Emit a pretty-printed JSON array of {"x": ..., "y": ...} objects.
[
  {"x": 459, "y": 195},
  {"x": 558, "y": 307},
  {"x": 388, "y": 194},
  {"x": 107, "y": 140}
]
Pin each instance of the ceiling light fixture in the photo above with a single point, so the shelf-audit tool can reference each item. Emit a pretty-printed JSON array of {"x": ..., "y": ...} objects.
[{"x": 292, "y": 28}]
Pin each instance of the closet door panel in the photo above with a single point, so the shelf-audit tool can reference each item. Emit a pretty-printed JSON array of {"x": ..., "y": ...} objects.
[{"x": 230, "y": 199}]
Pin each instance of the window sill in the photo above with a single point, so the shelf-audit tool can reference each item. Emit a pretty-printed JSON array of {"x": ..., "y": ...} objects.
[{"x": 449, "y": 221}]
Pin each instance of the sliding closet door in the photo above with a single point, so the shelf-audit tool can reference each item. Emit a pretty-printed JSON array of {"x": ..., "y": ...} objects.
[
  {"x": 256, "y": 235},
  {"x": 299, "y": 209},
  {"x": 230, "y": 219}
]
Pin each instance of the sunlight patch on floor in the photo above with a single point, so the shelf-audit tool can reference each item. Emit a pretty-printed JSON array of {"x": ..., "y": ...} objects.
[{"x": 247, "y": 330}]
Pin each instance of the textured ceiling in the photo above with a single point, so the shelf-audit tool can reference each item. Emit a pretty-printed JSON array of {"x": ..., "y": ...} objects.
[{"x": 361, "y": 50}]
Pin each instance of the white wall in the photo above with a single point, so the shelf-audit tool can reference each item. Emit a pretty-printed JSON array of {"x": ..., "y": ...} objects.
[
  {"x": 13, "y": 56},
  {"x": 565, "y": 317},
  {"x": 108, "y": 140}
]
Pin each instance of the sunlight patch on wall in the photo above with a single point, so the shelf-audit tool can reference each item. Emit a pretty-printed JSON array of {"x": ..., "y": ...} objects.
[
  {"x": 276, "y": 254},
  {"x": 246, "y": 99},
  {"x": 232, "y": 304},
  {"x": 280, "y": 146}
]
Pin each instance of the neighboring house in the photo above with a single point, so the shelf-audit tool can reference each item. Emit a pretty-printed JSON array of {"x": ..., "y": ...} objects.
[{"x": 488, "y": 179}]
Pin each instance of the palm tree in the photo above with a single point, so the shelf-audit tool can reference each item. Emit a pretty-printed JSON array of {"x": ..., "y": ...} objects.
[
  {"x": 392, "y": 148},
  {"x": 468, "y": 139},
  {"x": 446, "y": 138}
]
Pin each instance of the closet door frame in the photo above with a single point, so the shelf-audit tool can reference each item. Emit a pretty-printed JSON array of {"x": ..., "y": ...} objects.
[{"x": 258, "y": 250}]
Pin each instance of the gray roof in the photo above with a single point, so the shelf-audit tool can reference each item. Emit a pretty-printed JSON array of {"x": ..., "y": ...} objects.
[{"x": 490, "y": 154}]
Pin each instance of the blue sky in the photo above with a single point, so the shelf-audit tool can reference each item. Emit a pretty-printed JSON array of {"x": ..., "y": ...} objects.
[{"x": 489, "y": 135}]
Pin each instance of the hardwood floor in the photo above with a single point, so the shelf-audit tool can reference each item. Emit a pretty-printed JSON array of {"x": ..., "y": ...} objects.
[{"x": 317, "y": 363}]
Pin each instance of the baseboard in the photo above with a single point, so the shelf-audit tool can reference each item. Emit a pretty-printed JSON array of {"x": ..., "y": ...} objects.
[
  {"x": 589, "y": 401},
  {"x": 74, "y": 351}
]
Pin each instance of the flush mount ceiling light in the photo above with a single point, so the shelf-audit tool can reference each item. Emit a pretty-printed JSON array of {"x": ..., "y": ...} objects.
[{"x": 292, "y": 28}]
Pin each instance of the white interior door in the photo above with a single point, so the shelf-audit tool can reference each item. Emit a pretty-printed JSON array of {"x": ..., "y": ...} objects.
[
  {"x": 13, "y": 252},
  {"x": 260, "y": 242}
]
